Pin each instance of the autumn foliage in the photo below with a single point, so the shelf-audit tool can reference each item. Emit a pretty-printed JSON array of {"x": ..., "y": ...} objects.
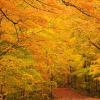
[{"x": 46, "y": 44}]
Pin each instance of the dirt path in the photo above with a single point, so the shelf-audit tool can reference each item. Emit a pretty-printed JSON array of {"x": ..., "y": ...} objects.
[{"x": 69, "y": 94}]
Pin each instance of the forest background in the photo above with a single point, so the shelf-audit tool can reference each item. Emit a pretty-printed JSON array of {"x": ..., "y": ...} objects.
[{"x": 46, "y": 44}]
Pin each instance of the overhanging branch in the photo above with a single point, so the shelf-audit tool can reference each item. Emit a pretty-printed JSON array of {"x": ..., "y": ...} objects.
[
  {"x": 78, "y": 8},
  {"x": 39, "y": 8},
  {"x": 13, "y": 22},
  {"x": 8, "y": 17}
]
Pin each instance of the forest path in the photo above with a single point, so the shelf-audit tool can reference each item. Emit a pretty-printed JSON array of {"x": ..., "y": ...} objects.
[{"x": 69, "y": 94}]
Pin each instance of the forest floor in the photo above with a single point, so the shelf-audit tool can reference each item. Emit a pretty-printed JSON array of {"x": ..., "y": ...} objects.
[{"x": 69, "y": 94}]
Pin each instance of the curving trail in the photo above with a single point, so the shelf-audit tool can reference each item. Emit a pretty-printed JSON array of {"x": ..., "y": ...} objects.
[{"x": 69, "y": 94}]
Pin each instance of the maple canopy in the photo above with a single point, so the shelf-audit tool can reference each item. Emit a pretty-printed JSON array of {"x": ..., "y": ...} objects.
[{"x": 46, "y": 44}]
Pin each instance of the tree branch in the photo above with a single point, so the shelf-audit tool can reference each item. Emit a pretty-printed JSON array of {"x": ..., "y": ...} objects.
[
  {"x": 94, "y": 44},
  {"x": 43, "y": 3},
  {"x": 11, "y": 45},
  {"x": 17, "y": 35},
  {"x": 78, "y": 8},
  {"x": 14, "y": 23},
  {"x": 39, "y": 8},
  {"x": 7, "y": 49},
  {"x": 8, "y": 17}
]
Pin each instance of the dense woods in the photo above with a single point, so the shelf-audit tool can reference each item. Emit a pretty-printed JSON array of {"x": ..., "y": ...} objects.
[{"x": 45, "y": 44}]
